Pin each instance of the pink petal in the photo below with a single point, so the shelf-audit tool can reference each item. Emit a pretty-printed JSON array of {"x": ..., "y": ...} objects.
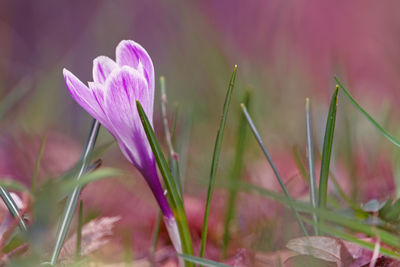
[
  {"x": 84, "y": 96},
  {"x": 102, "y": 67},
  {"x": 123, "y": 88},
  {"x": 130, "y": 53}
]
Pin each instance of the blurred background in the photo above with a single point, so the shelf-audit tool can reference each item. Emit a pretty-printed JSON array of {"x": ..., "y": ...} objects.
[{"x": 285, "y": 51}]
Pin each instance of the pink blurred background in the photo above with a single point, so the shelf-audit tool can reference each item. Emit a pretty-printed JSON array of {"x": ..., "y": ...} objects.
[{"x": 285, "y": 51}]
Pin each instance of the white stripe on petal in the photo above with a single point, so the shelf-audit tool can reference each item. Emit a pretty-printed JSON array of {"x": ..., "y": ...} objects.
[
  {"x": 123, "y": 88},
  {"x": 130, "y": 53},
  {"x": 102, "y": 67}
]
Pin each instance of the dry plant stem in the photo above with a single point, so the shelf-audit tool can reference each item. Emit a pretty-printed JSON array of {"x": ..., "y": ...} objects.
[
  {"x": 73, "y": 197},
  {"x": 172, "y": 154},
  {"x": 375, "y": 255},
  {"x": 167, "y": 133}
]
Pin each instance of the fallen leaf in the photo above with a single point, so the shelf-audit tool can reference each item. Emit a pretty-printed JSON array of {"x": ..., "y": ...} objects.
[
  {"x": 321, "y": 247},
  {"x": 95, "y": 234}
]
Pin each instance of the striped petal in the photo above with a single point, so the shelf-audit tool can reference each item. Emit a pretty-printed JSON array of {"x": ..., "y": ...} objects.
[
  {"x": 84, "y": 96},
  {"x": 130, "y": 53},
  {"x": 122, "y": 89},
  {"x": 102, "y": 67}
]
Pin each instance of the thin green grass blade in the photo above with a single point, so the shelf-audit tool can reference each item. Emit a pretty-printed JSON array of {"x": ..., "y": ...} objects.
[
  {"x": 215, "y": 159},
  {"x": 277, "y": 175},
  {"x": 169, "y": 181},
  {"x": 68, "y": 186},
  {"x": 346, "y": 236},
  {"x": 367, "y": 116},
  {"x": 311, "y": 167},
  {"x": 9, "y": 184},
  {"x": 301, "y": 166},
  {"x": 339, "y": 189},
  {"x": 235, "y": 175},
  {"x": 37, "y": 165},
  {"x": 73, "y": 197},
  {"x": 10, "y": 203},
  {"x": 172, "y": 155},
  {"x": 202, "y": 262},
  {"x": 335, "y": 217},
  {"x": 327, "y": 150},
  {"x": 79, "y": 232},
  {"x": 6, "y": 104}
]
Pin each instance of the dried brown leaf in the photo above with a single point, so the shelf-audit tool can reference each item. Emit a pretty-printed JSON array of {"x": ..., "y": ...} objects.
[
  {"x": 95, "y": 234},
  {"x": 321, "y": 247}
]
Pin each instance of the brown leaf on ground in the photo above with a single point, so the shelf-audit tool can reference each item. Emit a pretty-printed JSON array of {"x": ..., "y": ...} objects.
[
  {"x": 273, "y": 259},
  {"x": 307, "y": 261},
  {"x": 95, "y": 234},
  {"x": 322, "y": 247}
]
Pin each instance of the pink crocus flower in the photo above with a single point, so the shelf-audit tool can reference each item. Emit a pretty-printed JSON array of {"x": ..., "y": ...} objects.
[{"x": 111, "y": 99}]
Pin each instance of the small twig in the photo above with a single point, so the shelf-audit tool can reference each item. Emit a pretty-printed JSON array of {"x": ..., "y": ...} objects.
[
  {"x": 167, "y": 132},
  {"x": 173, "y": 156}
]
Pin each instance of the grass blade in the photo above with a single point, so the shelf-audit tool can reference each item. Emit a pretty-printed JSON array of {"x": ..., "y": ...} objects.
[
  {"x": 335, "y": 217},
  {"x": 327, "y": 150},
  {"x": 73, "y": 197},
  {"x": 203, "y": 262},
  {"x": 367, "y": 116},
  {"x": 12, "y": 206},
  {"x": 235, "y": 175},
  {"x": 311, "y": 167},
  {"x": 177, "y": 204},
  {"x": 278, "y": 177},
  {"x": 6, "y": 104},
  {"x": 345, "y": 236},
  {"x": 68, "y": 186},
  {"x": 339, "y": 189},
  {"x": 214, "y": 164},
  {"x": 9, "y": 184}
]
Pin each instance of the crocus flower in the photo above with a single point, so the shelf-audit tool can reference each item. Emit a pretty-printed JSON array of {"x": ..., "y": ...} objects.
[{"x": 111, "y": 99}]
